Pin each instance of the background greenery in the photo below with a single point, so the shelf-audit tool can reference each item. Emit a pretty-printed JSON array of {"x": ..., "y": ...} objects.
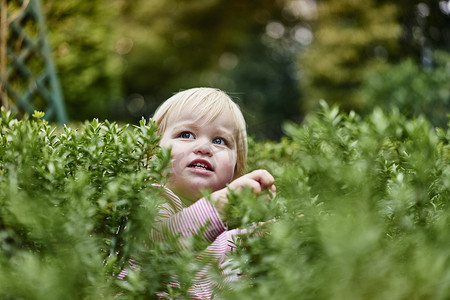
[{"x": 119, "y": 60}]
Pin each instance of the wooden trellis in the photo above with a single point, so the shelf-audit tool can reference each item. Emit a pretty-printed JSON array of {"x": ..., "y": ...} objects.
[{"x": 28, "y": 78}]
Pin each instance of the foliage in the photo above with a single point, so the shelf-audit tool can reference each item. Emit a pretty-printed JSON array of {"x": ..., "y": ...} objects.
[
  {"x": 69, "y": 200},
  {"x": 119, "y": 60},
  {"x": 412, "y": 89},
  {"x": 175, "y": 45},
  {"x": 83, "y": 36},
  {"x": 425, "y": 27},
  {"x": 354, "y": 38},
  {"x": 361, "y": 212},
  {"x": 347, "y": 41},
  {"x": 365, "y": 206}
]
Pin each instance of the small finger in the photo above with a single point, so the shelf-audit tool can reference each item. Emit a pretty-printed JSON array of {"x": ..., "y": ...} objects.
[
  {"x": 243, "y": 181},
  {"x": 264, "y": 178}
]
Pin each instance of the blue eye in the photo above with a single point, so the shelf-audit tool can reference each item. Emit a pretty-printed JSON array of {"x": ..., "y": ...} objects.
[
  {"x": 219, "y": 141},
  {"x": 186, "y": 135}
]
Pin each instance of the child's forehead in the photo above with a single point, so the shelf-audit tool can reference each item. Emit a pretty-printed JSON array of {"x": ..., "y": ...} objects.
[
  {"x": 200, "y": 116},
  {"x": 199, "y": 111}
]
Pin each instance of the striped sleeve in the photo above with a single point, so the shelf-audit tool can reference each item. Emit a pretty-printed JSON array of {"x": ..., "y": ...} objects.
[
  {"x": 223, "y": 244},
  {"x": 176, "y": 220},
  {"x": 204, "y": 284}
]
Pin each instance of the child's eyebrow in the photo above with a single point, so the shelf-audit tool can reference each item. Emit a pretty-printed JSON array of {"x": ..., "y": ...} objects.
[
  {"x": 224, "y": 131},
  {"x": 184, "y": 125}
]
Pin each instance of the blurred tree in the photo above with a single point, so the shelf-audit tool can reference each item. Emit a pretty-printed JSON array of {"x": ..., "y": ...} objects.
[
  {"x": 412, "y": 89},
  {"x": 83, "y": 34},
  {"x": 265, "y": 81},
  {"x": 352, "y": 38},
  {"x": 426, "y": 27},
  {"x": 173, "y": 45},
  {"x": 120, "y": 59},
  {"x": 349, "y": 37}
]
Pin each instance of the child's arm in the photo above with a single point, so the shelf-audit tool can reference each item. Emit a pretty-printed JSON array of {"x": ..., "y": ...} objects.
[
  {"x": 207, "y": 215},
  {"x": 258, "y": 181}
]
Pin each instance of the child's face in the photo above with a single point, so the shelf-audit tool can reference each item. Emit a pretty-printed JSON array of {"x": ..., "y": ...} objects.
[{"x": 204, "y": 153}]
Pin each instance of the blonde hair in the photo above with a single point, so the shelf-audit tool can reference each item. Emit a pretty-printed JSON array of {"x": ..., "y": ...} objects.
[{"x": 213, "y": 103}]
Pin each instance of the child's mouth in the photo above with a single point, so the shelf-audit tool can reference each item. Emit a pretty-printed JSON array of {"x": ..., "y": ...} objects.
[{"x": 198, "y": 165}]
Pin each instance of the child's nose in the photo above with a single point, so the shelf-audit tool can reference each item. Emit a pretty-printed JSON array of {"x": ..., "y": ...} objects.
[{"x": 203, "y": 147}]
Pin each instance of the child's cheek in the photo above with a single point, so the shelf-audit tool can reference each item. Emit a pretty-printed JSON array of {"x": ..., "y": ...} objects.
[
  {"x": 231, "y": 164},
  {"x": 177, "y": 162}
]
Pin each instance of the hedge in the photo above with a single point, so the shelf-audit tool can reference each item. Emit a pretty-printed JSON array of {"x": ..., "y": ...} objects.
[{"x": 361, "y": 212}]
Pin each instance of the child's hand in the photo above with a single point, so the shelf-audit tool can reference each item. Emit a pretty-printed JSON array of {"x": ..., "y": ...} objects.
[{"x": 258, "y": 181}]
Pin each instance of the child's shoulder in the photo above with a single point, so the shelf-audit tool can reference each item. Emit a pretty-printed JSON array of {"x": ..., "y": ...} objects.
[{"x": 173, "y": 199}]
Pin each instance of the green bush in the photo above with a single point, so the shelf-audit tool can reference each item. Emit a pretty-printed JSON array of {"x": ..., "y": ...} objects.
[
  {"x": 361, "y": 212},
  {"x": 70, "y": 201},
  {"x": 365, "y": 211},
  {"x": 412, "y": 89}
]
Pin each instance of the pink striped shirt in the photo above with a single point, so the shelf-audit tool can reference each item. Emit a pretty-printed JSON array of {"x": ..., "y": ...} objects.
[{"x": 177, "y": 218}]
